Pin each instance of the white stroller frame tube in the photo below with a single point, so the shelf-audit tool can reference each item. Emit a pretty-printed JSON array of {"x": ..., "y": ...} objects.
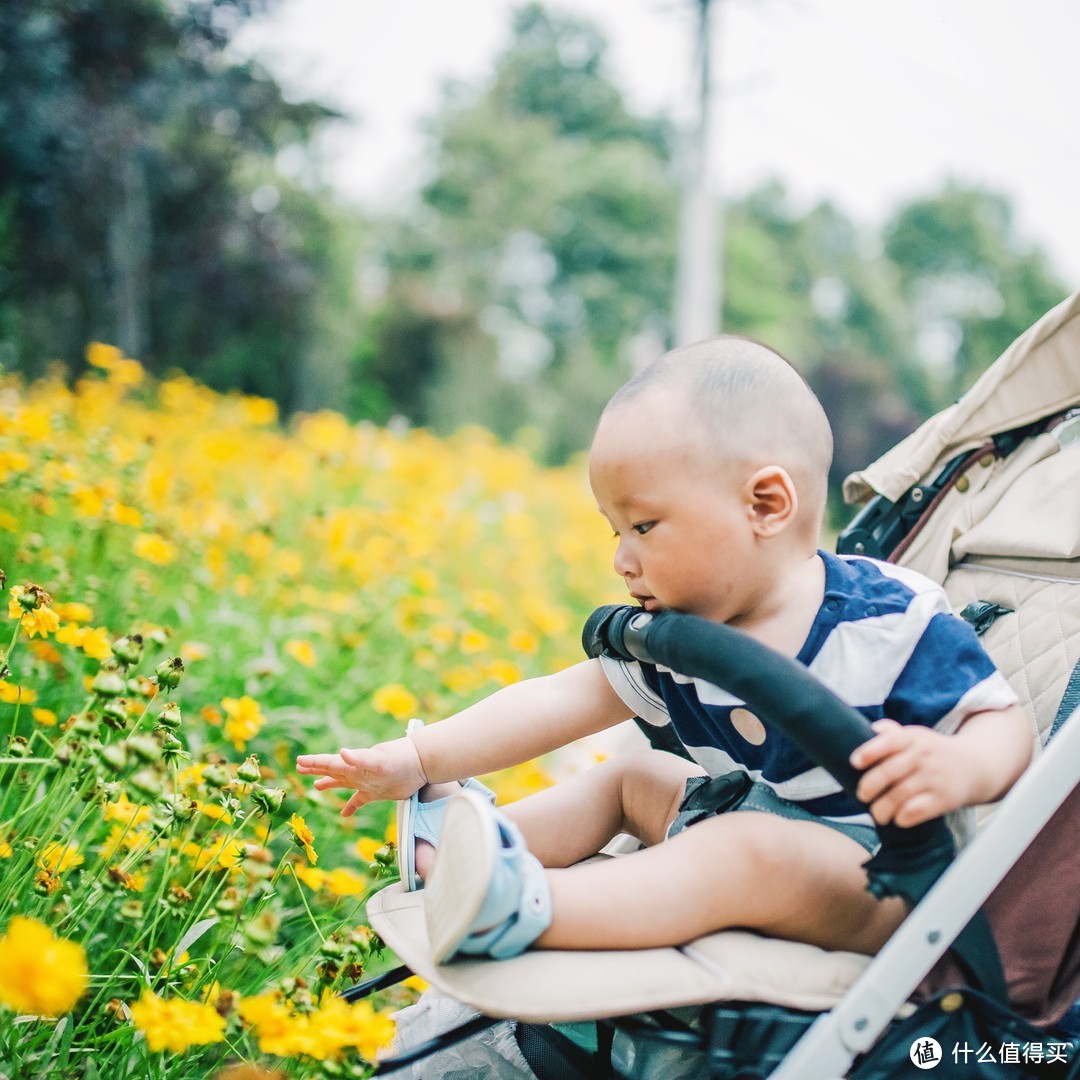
[{"x": 828, "y": 1048}]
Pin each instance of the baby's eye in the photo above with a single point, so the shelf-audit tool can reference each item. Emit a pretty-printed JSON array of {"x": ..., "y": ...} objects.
[{"x": 642, "y": 527}]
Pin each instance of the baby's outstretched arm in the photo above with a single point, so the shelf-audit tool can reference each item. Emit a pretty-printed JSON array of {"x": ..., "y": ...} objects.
[
  {"x": 515, "y": 724},
  {"x": 913, "y": 774}
]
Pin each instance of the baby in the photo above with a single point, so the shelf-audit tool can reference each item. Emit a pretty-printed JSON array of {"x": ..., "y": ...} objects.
[{"x": 711, "y": 467}]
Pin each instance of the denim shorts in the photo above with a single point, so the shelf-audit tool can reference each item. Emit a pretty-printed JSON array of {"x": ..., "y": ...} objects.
[{"x": 707, "y": 796}]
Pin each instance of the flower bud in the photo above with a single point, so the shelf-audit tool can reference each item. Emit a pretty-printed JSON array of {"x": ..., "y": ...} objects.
[
  {"x": 85, "y": 724},
  {"x": 332, "y": 948},
  {"x": 179, "y": 806},
  {"x": 115, "y": 757},
  {"x": 145, "y": 748},
  {"x": 108, "y": 682},
  {"x": 128, "y": 650},
  {"x": 132, "y": 910},
  {"x": 169, "y": 673},
  {"x": 217, "y": 776},
  {"x": 18, "y": 746},
  {"x": 249, "y": 771},
  {"x": 268, "y": 800},
  {"x": 114, "y": 713},
  {"x": 169, "y": 717},
  {"x": 146, "y": 784},
  {"x": 229, "y": 901},
  {"x": 262, "y": 930}
]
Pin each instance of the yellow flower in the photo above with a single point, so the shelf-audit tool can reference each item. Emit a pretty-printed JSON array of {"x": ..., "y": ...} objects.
[
  {"x": 303, "y": 837},
  {"x": 244, "y": 719},
  {"x": 6, "y": 850},
  {"x": 57, "y": 858},
  {"x": 40, "y": 974},
  {"x": 36, "y": 619},
  {"x": 523, "y": 641},
  {"x": 301, "y": 651},
  {"x": 154, "y": 548},
  {"x": 11, "y": 694},
  {"x": 103, "y": 356},
  {"x": 367, "y": 846},
  {"x": 396, "y": 700},
  {"x": 311, "y": 876},
  {"x": 473, "y": 641},
  {"x": 276, "y": 1027},
  {"x": 73, "y": 611},
  {"x": 45, "y": 717},
  {"x": 176, "y": 1024},
  {"x": 344, "y": 882}
]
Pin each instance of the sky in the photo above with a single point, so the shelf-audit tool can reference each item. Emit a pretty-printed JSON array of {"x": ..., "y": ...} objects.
[{"x": 862, "y": 102}]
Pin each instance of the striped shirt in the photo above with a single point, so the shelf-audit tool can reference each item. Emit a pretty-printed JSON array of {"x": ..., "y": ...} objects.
[{"x": 884, "y": 640}]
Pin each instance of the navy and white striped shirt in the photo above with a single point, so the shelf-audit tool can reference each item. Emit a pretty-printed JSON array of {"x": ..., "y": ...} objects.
[{"x": 884, "y": 640}]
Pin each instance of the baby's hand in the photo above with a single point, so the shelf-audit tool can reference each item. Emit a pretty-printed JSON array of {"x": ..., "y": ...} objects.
[
  {"x": 389, "y": 770},
  {"x": 912, "y": 774}
]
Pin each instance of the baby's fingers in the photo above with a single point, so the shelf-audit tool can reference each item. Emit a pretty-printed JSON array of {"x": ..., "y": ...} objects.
[
  {"x": 354, "y": 804},
  {"x": 326, "y": 782},
  {"x": 319, "y": 763}
]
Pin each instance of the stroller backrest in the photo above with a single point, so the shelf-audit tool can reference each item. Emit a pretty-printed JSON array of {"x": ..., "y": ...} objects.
[{"x": 985, "y": 498}]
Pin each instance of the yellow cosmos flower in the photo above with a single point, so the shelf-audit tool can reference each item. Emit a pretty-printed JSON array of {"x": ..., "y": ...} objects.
[
  {"x": 11, "y": 694},
  {"x": 40, "y": 974},
  {"x": 6, "y": 850},
  {"x": 473, "y": 641},
  {"x": 125, "y": 515},
  {"x": 301, "y": 651},
  {"x": 367, "y": 846},
  {"x": 45, "y": 717},
  {"x": 74, "y": 611},
  {"x": 58, "y": 858},
  {"x": 303, "y": 837},
  {"x": 396, "y": 700},
  {"x": 345, "y": 882},
  {"x": 175, "y": 1024},
  {"x": 39, "y": 619},
  {"x": 103, "y": 356},
  {"x": 244, "y": 719},
  {"x": 311, "y": 876},
  {"x": 153, "y": 548},
  {"x": 523, "y": 641}
]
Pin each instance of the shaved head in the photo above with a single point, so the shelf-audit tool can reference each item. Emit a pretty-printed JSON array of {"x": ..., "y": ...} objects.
[{"x": 744, "y": 404}]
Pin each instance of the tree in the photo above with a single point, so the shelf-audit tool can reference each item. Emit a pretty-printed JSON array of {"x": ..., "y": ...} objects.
[
  {"x": 971, "y": 281},
  {"x": 141, "y": 201},
  {"x": 543, "y": 246}
]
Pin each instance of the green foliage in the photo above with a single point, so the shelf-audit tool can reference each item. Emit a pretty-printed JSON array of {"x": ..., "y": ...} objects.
[{"x": 137, "y": 161}]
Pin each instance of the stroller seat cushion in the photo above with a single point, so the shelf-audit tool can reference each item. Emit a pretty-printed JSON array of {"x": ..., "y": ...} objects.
[{"x": 544, "y": 986}]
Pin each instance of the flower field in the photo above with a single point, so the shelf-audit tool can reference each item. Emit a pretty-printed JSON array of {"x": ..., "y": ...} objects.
[{"x": 194, "y": 594}]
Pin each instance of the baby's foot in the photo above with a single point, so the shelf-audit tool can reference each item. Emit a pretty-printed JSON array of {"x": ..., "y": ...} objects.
[
  {"x": 425, "y": 850},
  {"x": 488, "y": 894}
]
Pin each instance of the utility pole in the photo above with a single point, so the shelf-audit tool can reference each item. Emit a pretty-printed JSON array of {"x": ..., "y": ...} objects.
[{"x": 698, "y": 280}]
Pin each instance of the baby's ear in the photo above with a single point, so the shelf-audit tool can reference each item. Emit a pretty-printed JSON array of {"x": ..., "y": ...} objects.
[{"x": 772, "y": 500}]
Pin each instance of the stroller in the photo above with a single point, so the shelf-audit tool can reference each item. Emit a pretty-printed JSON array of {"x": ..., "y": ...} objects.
[{"x": 977, "y": 979}]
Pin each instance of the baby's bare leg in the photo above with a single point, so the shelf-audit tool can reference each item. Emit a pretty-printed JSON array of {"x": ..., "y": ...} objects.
[
  {"x": 790, "y": 879},
  {"x": 636, "y": 793}
]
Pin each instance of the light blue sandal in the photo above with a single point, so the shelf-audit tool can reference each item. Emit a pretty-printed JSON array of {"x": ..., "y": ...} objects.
[
  {"x": 418, "y": 820},
  {"x": 487, "y": 895}
]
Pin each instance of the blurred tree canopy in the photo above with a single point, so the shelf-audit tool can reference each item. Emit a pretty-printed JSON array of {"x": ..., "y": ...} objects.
[
  {"x": 144, "y": 199},
  {"x": 139, "y": 202}
]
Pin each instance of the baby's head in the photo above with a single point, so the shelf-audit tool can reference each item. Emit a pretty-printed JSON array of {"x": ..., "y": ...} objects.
[{"x": 724, "y": 429}]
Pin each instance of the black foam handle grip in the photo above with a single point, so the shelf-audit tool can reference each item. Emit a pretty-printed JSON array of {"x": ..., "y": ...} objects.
[{"x": 779, "y": 690}]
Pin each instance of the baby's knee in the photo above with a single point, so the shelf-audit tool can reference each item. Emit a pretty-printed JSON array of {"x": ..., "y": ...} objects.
[{"x": 651, "y": 784}]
